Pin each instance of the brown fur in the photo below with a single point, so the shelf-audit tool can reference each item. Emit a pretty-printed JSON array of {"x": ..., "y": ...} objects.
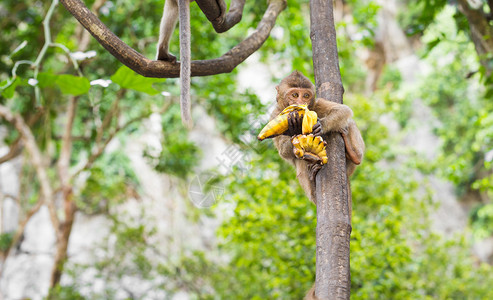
[
  {"x": 172, "y": 10},
  {"x": 332, "y": 117},
  {"x": 310, "y": 295}
]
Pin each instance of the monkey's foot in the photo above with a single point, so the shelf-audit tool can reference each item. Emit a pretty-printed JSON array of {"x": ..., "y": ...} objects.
[
  {"x": 165, "y": 56},
  {"x": 310, "y": 148},
  {"x": 313, "y": 170}
]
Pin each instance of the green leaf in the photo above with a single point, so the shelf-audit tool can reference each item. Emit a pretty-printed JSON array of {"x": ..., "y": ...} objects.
[
  {"x": 432, "y": 44},
  {"x": 73, "y": 85},
  {"x": 8, "y": 92},
  {"x": 128, "y": 79},
  {"x": 46, "y": 79}
]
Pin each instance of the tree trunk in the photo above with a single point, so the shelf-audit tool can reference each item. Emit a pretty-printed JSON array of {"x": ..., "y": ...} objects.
[
  {"x": 481, "y": 32},
  {"x": 62, "y": 244},
  {"x": 333, "y": 213}
]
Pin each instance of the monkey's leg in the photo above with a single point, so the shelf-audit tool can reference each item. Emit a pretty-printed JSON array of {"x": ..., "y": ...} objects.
[
  {"x": 185, "y": 62},
  {"x": 168, "y": 23},
  {"x": 310, "y": 295},
  {"x": 303, "y": 175},
  {"x": 353, "y": 142}
]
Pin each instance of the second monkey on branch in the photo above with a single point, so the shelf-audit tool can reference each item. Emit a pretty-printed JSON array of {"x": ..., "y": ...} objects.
[
  {"x": 297, "y": 89},
  {"x": 173, "y": 9}
]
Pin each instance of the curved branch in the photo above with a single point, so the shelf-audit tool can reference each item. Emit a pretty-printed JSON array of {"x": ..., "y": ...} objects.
[
  {"x": 151, "y": 68},
  {"x": 214, "y": 10},
  {"x": 14, "y": 150}
]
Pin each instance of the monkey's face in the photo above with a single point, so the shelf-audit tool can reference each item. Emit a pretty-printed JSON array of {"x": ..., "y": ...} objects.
[{"x": 298, "y": 96}]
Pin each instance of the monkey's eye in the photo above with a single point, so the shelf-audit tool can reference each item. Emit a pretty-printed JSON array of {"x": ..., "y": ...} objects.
[
  {"x": 306, "y": 95},
  {"x": 295, "y": 95}
]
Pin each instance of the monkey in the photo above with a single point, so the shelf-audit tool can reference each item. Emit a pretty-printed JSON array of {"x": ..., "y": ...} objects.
[
  {"x": 172, "y": 10},
  {"x": 298, "y": 89},
  {"x": 168, "y": 24}
]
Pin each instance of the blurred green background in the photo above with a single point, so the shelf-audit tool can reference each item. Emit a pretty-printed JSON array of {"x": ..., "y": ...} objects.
[{"x": 415, "y": 75}]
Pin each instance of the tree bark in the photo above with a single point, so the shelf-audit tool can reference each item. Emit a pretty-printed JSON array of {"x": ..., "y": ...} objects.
[
  {"x": 161, "y": 69},
  {"x": 63, "y": 239},
  {"x": 481, "y": 32},
  {"x": 333, "y": 213},
  {"x": 66, "y": 188}
]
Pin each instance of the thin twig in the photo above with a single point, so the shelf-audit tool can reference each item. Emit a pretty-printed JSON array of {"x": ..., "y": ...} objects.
[{"x": 100, "y": 147}]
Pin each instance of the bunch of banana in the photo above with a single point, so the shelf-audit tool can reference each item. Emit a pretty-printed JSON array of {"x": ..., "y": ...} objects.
[
  {"x": 279, "y": 124},
  {"x": 309, "y": 145}
]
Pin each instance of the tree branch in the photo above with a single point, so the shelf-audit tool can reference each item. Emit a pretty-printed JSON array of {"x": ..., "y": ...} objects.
[
  {"x": 96, "y": 153},
  {"x": 16, "y": 147},
  {"x": 20, "y": 229},
  {"x": 149, "y": 68},
  {"x": 14, "y": 150},
  {"x": 214, "y": 12},
  {"x": 36, "y": 159},
  {"x": 333, "y": 214},
  {"x": 64, "y": 160},
  {"x": 83, "y": 36}
]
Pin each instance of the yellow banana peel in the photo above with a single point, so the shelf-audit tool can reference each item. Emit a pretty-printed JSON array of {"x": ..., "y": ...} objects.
[
  {"x": 309, "y": 145},
  {"x": 309, "y": 119},
  {"x": 279, "y": 124}
]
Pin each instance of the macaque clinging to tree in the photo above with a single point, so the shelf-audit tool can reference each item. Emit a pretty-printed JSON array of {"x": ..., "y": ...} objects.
[{"x": 299, "y": 90}]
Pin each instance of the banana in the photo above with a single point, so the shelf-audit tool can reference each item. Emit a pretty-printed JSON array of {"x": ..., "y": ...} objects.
[
  {"x": 279, "y": 124},
  {"x": 275, "y": 127},
  {"x": 309, "y": 141},
  {"x": 297, "y": 149},
  {"x": 309, "y": 119},
  {"x": 309, "y": 145},
  {"x": 302, "y": 139},
  {"x": 299, "y": 108},
  {"x": 320, "y": 144}
]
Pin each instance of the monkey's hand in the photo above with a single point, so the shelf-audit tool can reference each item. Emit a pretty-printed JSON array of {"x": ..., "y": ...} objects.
[
  {"x": 317, "y": 129},
  {"x": 295, "y": 122},
  {"x": 165, "y": 56}
]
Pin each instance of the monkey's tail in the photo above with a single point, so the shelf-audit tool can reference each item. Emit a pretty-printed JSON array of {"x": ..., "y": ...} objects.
[{"x": 185, "y": 62}]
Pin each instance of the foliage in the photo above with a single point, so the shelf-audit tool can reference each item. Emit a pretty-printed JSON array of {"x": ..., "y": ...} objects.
[
  {"x": 266, "y": 246},
  {"x": 6, "y": 241},
  {"x": 270, "y": 240},
  {"x": 420, "y": 14},
  {"x": 454, "y": 92},
  {"x": 178, "y": 154},
  {"x": 65, "y": 292},
  {"x": 111, "y": 181}
]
